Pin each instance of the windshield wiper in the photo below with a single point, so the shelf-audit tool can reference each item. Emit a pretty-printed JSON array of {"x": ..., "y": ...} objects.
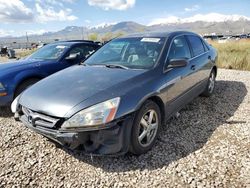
[
  {"x": 110, "y": 66},
  {"x": 116, "y": 66}
]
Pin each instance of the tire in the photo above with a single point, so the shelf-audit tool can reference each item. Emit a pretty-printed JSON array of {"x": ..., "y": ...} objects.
[
  {"x": 24, "y": 85},
  {"x": 141, "y": 141},
  {"x": 210, "y": 85}
]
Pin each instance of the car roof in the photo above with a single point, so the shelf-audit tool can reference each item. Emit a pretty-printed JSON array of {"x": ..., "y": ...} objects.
[
  {"x": 159, "y": 34},
  {"x": 72, "y": 42}
]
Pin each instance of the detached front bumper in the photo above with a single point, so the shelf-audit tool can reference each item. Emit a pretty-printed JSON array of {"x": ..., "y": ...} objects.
[{"x": 113, "y": 140}]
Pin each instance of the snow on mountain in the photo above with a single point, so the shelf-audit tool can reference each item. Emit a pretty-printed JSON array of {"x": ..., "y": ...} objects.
[
  {"x": 103, "y": 25},
  {"x": 211, "y": 17}
]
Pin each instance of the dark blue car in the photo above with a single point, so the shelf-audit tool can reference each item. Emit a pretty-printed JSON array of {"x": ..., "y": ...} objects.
[{"x": 16, "y": 76}]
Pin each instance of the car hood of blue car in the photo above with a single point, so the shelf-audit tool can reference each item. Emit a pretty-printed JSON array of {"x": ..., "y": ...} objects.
[
  {"x": 17, "y": 65},
  {"x": 57, "y": 94}
]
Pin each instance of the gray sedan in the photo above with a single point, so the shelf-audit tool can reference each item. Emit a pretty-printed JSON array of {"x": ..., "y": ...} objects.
[{"x": 118, "y": 100}]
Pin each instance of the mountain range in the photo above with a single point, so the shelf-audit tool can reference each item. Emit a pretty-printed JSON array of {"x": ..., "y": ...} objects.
[{"x": 229, "y": 25}]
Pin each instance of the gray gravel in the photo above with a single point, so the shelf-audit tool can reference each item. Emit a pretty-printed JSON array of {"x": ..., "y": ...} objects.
[{"x": 208, "y": 146}]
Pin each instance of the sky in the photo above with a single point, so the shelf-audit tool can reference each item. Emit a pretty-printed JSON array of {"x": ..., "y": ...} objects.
[{"x": 38, "y": 16}]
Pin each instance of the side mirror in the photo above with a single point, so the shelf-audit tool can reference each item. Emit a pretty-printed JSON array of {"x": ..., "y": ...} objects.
[
  {"x": 72, "y": 56},
  {"x": 175, "y": 63}
]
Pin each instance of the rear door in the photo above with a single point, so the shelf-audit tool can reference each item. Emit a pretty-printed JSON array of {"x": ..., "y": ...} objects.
[{"x": 200, "y": 59}]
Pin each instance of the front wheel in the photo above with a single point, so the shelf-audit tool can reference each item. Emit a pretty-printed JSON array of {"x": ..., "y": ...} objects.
[
  {"x": 210, "y": 85},
  {"x": 146, "y": 128}
]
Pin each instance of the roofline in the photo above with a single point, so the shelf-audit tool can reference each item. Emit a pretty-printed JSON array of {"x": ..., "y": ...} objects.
[
  {"x": 158, "y": 34},
  {"x": 75, "y": 42}
]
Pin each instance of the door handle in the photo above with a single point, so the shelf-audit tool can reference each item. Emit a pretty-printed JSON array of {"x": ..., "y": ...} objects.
[
  {"x": 193, "y": 67},
  {"x": 209, "y": 57}
]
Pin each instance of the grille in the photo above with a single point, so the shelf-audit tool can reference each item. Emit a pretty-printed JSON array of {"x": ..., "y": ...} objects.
[{"x": 37, "y": 119}]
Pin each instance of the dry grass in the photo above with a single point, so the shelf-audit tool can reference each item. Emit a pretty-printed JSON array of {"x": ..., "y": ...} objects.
[
  {"x": 3, "y": 59},
  {"x": 24, "y": 53},
  {"x": 233, "y": 54},
  {"x": 19, "y": 54}
]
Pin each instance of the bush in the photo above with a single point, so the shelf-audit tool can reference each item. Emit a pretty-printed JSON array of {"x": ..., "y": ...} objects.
[{"x": 233, "y": 54}]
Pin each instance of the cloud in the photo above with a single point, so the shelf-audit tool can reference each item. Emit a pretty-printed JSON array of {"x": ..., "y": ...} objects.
[
  {"x": 36, "y": 32},
  {"x": 55, "y": 2},
  {"x": 211, "y": 17},
  {"x": 112, "y": 4},
  {"x": 87, "y": 21},
  {"x": 48, "y": 13},
  {"x": 5, "y": 33},
  {"x": 15, "y": 11},
  {"x": 192, "y": 9}
]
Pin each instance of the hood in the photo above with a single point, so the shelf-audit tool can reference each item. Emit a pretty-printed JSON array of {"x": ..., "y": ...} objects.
[
  {"x": 12, "y": 64},
  {"x": 57, "y": 94},
  {"x": 18, "y": 64}
]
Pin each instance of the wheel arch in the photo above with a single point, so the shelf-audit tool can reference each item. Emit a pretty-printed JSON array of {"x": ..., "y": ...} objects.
[
  {"x": 160, "y": 103},
  {"x": 215, "y": 69},
  {"x": 25, "y": 79}
]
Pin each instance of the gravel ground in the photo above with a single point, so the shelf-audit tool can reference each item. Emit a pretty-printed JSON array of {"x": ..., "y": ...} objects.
[{"x": 207, "y": 146}]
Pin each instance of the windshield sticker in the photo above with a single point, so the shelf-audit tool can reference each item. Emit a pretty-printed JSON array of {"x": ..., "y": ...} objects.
[
  {"x": 150, "y": 40},
  {"x": 60, "y": 47}
]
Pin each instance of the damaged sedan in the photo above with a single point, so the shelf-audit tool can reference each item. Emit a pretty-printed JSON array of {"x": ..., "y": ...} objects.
[{"x": 120, "y": 97}]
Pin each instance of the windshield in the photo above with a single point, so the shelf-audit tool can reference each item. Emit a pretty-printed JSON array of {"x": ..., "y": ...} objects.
[
  {"x": 50, "y": 52},
  {"x": 133, "y": 53}
]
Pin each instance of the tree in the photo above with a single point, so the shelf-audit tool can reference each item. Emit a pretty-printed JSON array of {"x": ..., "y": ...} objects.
[
  {"x": 107, "y": 36},
  {"x": 93, "y": 36},
  {"x": 119, "y": 34}
]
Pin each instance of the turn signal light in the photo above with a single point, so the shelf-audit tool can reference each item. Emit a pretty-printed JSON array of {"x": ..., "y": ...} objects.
[{"x": 3, "y": 94}]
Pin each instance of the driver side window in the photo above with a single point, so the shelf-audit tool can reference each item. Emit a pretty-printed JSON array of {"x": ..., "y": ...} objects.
[{"x": 179, "y": 49}]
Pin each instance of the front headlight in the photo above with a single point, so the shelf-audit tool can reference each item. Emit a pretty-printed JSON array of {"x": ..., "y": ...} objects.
[
  {"x": 95, "y": 115},
  {"x": 14, "y": 104}
]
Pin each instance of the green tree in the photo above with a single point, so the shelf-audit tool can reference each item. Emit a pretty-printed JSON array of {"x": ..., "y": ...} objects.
[{"x": 93, "y": 36}]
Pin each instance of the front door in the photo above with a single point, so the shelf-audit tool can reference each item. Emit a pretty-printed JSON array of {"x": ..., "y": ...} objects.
[{"x": 179, "y": 80}]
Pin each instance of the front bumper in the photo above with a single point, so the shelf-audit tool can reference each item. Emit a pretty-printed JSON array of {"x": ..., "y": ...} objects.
[
  {"x": 113, "y": 140},
  {"x": 5, "y": 100}
]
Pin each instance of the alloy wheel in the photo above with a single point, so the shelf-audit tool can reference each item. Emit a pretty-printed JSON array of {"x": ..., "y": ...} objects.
[
  {"x": 148, "y": 128},
  {"x": 211, "y": 83}
]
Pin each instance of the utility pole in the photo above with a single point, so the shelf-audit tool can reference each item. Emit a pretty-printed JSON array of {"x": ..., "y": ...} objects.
[
  {"x": 27, "y": 40},
  {"x": 82, "y": 34}
]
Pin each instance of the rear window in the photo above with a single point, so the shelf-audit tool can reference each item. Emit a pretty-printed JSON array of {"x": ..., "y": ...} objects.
[
  {"x": 206, "y": 45},
  {"x": 196, "y": 44}
]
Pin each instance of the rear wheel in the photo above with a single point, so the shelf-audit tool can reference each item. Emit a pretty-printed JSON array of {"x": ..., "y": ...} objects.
[
  {"x": 210, "y": 85},
  {"x": 24, "y": 85},
  {"x": 146, "y": 128}
]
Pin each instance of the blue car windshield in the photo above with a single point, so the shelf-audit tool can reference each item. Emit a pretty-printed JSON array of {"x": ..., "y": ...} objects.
[
  {"x": 50, "y": 52},
  {"x": 131, "y": 53}
]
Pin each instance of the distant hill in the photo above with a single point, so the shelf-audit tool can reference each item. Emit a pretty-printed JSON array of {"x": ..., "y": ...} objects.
[
  {"x": 234, "y": 26},
  {"x": 227, "y": 27}
]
